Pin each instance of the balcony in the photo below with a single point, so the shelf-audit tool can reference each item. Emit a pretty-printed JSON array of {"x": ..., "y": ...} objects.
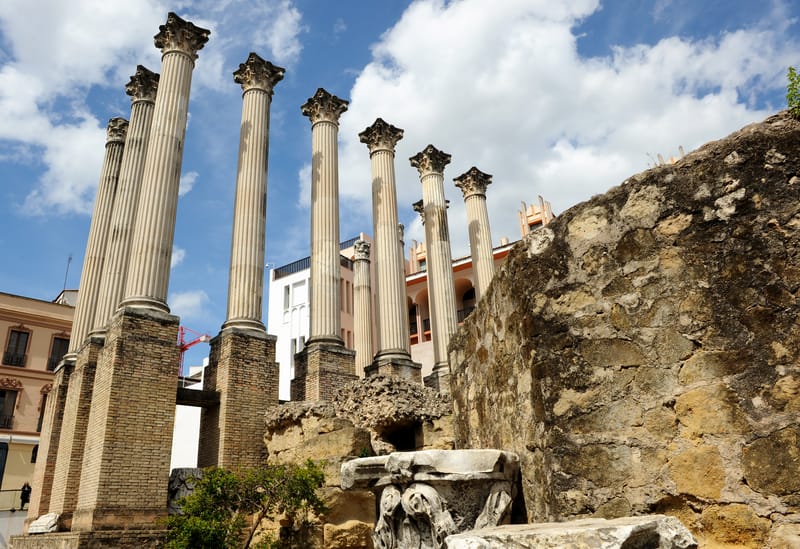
[
  {"x": 14, "y": 359},
  {"x": 6, "y": 422}
]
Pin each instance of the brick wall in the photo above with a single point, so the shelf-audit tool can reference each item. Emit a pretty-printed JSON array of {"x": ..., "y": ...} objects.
[{"x": 320, "y": 370}]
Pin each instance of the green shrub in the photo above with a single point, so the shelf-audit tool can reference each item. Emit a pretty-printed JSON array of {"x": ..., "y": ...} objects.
[
  {"x": 793, "y": 92},
  {"x": 226, "y": 508}
]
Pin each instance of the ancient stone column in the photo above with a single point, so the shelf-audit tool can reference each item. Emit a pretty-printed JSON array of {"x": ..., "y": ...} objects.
[
  {"x": 142, "y": 89},
  {"x": 473, "y": 184},
  {"x": 362, "y": 296},
  {"x": 393, "y": 356},
  {"x": 242, "y": 367},
  {"x": 125, "y": 460},
  {"x": 98, "y": 234},
  {"x": 430, "y": 163},
  {"x": 324, "y": 110},
  {"x": 246, "y": 284},
  {"x": 154, "y": 228},
  {"x": 324, "y": 364}
]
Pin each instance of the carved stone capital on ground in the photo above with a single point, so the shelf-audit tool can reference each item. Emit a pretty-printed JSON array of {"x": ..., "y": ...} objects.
[
  {"x": 426, "y": 496},
  {"x": 257, "y": 73},
  {"x": 324, "y": 107},
  {"x": 430, "y": 160},
  {"x": 143, "y": 85},
  {"x": 116, "y": 130},
  {"x": 381, "y": 136},
  {"x": 361, "y": 249},
  {"x": 473, "y": 182},
  {"x": 181, "y": 36}
]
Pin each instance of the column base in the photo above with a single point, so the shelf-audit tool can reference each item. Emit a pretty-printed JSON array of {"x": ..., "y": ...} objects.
[
  {"x": 143, "y": 302},
  {"x": 110, "y": 539},
  {"x": 322, "y": 368},
  {"x": 243, "y": 370},
  {"x": 396, "y": 364},
  {"x": 247, "y": 324}
]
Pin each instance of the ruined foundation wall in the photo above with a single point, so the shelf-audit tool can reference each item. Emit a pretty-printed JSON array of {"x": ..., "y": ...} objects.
[{"x": 641, "y": 352}]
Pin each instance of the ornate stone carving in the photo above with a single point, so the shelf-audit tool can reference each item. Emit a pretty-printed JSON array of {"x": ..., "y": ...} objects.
[
  {"x": 10, "y": 383},
  {"x": 426, "y": 496},
  {"x": 324, "y": 107},
  {"x": 420, "y": 209},
  {"x": 46, "y": 389},
  {"x": 473, "y": 182},
  {"x": 381, "y": 136},
  {"x": 181, "y": 36},
  {"x": 143, "y": 85},
  {"x": 361, "y": 249},
  {"x": 258, "y": 73},
  {"x": 116, "y": 131},
  {"x": 430, "y": 160}
]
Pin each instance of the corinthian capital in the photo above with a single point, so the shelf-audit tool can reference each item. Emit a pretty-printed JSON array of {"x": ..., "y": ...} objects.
[
  {"x": 420, "y": 209},
  {"x": 430, "y": 160},
  {"x": 473, "y": 182},
  {"x": 256, "y": 73},
  {"x": 361, "y": 248},
  {"x": 381, "y": 136},
  {"x": 116, "y": 130},
  {"x": 324, "y": 107},
  {"x": 143, "y": 85},
  {"x": 182, "y": 36}
]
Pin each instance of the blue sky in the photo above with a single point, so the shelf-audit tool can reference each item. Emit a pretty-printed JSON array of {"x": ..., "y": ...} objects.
[{"x": 560, "y": 99}]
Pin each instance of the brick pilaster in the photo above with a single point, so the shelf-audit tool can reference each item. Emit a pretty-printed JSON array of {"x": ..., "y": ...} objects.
[
  {"x": 129, "y": 434},
  {"x": 243, "y": 370},
  {"x": 320, "y": 369}
]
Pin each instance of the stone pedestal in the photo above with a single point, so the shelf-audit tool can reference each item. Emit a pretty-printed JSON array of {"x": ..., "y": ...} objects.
[
  {"x": 42, "y": 483},
  {"x": 243, "y": 370},
  {"x": 320, "y": 369},
  {"x": 129, "y": 435},
  {"x": 66, "y": 482},
  {"x": 392, "y": 366},
  {"x": 426, "y": 496}
]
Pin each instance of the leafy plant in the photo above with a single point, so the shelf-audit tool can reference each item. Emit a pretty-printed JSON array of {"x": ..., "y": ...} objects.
[
  {"x": 226, "y": 508},
  {"x": 793, "y": 92}
]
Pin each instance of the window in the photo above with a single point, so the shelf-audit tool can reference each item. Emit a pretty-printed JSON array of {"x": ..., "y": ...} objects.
[
  {"x": 57, "y": 351},
  {"x": 34, "y": 453},
  {"x": 286, "y": 293},
  {"x": 16, "y": 348},
  {"x": 7, "y": 401}
]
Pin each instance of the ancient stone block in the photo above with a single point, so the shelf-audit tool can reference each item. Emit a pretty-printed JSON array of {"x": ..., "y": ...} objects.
[
  {"x": 772, "y": 463},
  {"x": 698, "y": 472}
]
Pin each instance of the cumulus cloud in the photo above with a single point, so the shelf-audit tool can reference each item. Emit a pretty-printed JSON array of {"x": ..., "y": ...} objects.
[
  {"x": 178, "y": 255},
  {"x": 53, "y": 56},
  {"x": 189, "y": 305},
  {"x": 187, "y": 182},
  {"x": 501, "y": 86}
]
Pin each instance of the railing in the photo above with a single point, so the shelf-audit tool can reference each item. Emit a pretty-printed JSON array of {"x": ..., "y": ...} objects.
[
  {"x": 291, "y": 268},
  {"x": 464, "y": 313},
  {"x": 6, "y": 422},
  {"x": 14, "y": 359}
]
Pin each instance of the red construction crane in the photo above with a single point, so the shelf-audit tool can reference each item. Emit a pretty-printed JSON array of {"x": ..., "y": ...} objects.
[{"x": 184, "y": 345}]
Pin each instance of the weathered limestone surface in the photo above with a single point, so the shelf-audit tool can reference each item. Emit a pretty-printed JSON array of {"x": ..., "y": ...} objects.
[
  {"x": 653, "y": 531},
  {"x": 646, "y": 346}
]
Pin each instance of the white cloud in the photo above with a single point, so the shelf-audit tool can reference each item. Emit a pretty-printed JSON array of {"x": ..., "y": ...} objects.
[
  {"x": 178, "y": 255},
  {"x": 500, "y": 85},
  {"x": 189, "y": 305},
  {"x": 304, "y": 185},
  {"x": 187, "y": 182}
]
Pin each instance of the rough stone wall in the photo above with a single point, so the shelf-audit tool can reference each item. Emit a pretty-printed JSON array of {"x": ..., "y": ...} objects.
[{"x": 641, "y": 352}]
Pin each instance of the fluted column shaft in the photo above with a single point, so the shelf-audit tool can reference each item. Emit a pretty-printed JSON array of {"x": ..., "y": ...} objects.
[
  {"x": 324, "y": 110},
  {"x": 441, "y": 287},
  {"x": 98, "y": 234},
  {"x": 246, "y": 282},
  {"x": 154, "y": 228},
  {"x": 142, "y": 89},
  {"x": 362, "y": 298},
  {"x": 473, "y": 184},
  {"x": 392, "y": 311}
]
